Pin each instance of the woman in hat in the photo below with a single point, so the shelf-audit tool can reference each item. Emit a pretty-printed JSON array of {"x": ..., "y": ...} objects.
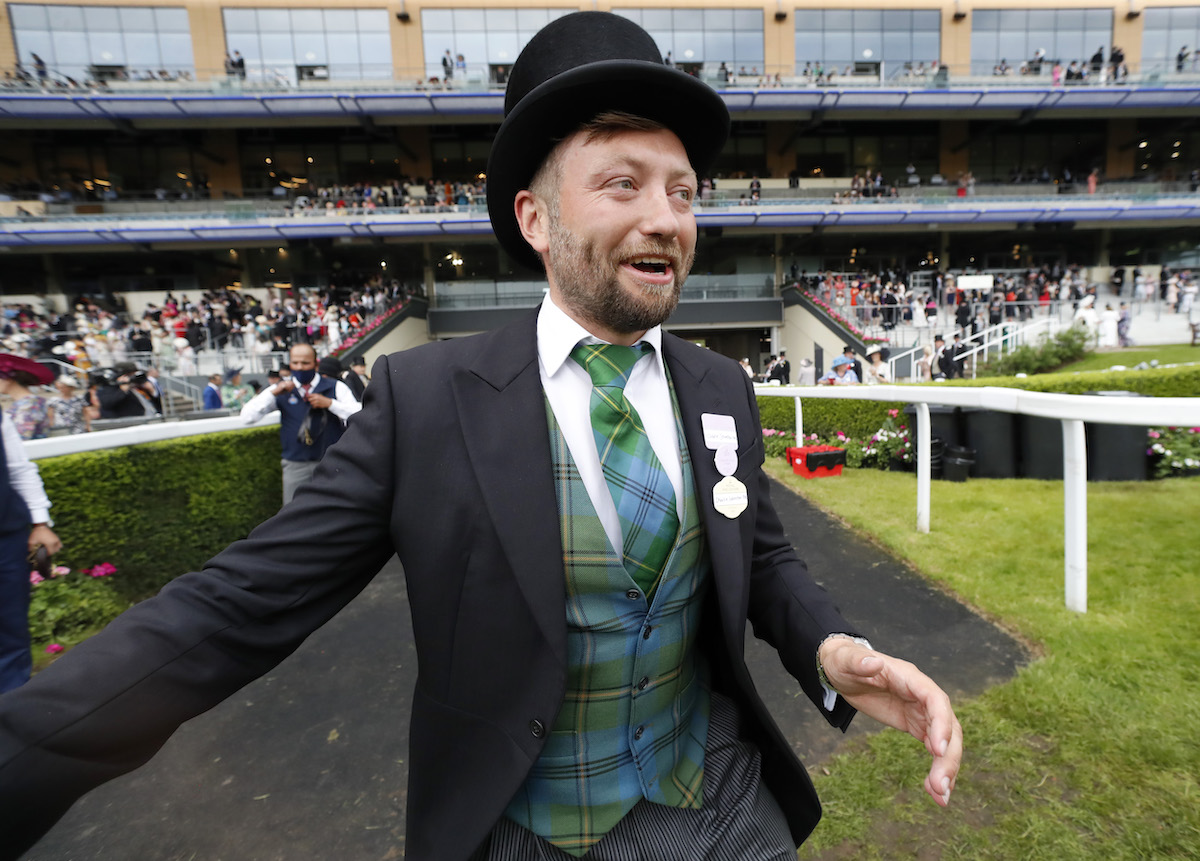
[
  {"x": 876, "y": 372},
  {"x": 30, "y": 412},
  {"x": 234, "y": 393},
  {"x": 72, "y": 409},
  {"x": 842, "y": 374}
]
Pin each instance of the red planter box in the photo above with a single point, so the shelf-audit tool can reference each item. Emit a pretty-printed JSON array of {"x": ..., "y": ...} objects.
[{"x": 816, "y": 461}]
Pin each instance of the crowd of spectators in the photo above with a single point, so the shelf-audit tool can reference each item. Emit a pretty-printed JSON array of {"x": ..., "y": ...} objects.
[
  {"x": 413, "y": 194},
  {"x": 113, "y": 358},
  {"x": 1096, "y": 70}
]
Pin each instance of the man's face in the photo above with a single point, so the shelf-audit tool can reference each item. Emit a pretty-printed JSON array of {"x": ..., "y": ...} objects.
[
  {"x": 624, "y": 238},
  {"x": 302, "y": 358}
]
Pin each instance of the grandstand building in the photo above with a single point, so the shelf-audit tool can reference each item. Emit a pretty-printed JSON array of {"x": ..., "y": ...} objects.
[{"x": 148, "y": 146}]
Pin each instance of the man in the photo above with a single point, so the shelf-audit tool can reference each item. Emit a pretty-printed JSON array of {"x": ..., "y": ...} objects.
[
  {"x": 583, "y": 689},
  {"x": 957, "y": 359},
  {"x": 313, "y": 412},
  {"x": 24, "y": 526},
  {"x": 782, "y": 370},
  {"x": 851, "y": 359},
  {"x": 212, "y": 393},
  {"x": 943, "y": 360},
  {"x": 125, "y": 392},
  {"x": 356, "y": 378}
]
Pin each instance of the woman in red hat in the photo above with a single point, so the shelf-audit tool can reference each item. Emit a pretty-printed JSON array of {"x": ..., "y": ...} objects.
[{"x": 29, "y": 412}]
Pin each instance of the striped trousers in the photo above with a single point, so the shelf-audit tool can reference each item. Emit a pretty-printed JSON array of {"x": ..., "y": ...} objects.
[{"x": 740, "y": 819}]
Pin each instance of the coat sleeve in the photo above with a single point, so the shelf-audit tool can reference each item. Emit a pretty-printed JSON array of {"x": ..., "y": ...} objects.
[{"x": 112, "y": 702}]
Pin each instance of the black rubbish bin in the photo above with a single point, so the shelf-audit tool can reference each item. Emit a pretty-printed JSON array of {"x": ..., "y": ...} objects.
[
  {"x": 957, "y": 462},
  {"x": 993, "y": 435},
  {"x": 1116, "y": 452},
  {"x": 936, "y": 454},
  {"x": 1040, "y": 448},
  {"x": 943, "y": 423}
]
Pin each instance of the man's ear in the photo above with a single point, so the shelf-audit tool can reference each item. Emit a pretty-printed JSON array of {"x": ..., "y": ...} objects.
[{"x": 532, "y": 219}]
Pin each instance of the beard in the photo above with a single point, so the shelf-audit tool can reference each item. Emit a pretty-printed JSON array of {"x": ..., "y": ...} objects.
[{"x": 591, "y": 286}]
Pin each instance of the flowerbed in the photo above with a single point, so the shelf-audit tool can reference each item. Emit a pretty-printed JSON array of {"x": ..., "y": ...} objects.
[
  {"x": 1175, "y": 451},
  {"x": 841, "y": 320},
  {"x": 890, "y": 444},
  {"x": 66, "y": 604}
]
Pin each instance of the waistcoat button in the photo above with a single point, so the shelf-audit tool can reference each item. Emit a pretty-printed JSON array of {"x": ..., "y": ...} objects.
[
  {"x": 637, "y": 734},
  {"x": 536, "y": 728},
  {"x": 642, "y": 684},
  {"x": 633, "y": 594},
  {"x": 646, "y": 633}
]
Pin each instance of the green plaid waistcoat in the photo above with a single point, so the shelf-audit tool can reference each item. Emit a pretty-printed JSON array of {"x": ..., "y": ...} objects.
[{"x": 634, "y": 720}]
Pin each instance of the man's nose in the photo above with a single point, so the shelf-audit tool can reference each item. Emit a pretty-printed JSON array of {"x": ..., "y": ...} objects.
[{"x": 662, "y": 216}]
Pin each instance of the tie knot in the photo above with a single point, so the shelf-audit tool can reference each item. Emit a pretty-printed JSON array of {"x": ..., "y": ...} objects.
[{"x": 609, "y": 364}]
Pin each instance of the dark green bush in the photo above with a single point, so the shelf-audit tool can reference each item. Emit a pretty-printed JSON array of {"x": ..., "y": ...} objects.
[
  {"x": 1068, "y": 345},
  {"x": 160, "y": 509},
  {"x": 825, "y": 417}
]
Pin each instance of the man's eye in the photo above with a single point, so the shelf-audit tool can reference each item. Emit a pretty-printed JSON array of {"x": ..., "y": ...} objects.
[
  {"x": 626, "y": 184},
  {"x": 685, "y": 194}
]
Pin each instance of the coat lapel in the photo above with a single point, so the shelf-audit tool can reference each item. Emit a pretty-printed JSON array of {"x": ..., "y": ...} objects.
[
  {"x": 725, "y": 543},
  {"x": 502, "y": 409}
]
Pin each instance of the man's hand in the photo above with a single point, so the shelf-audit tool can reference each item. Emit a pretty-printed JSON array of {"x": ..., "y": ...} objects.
[
  {"x": 43, "y": 535},
  {"x": 284, "y": 386},
  {"x": 897, "y": 694},
  {"x": 319, "y": 401}
]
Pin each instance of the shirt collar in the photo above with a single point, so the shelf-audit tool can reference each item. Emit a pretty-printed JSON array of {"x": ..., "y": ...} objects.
[{"x": 558, "y": 333}]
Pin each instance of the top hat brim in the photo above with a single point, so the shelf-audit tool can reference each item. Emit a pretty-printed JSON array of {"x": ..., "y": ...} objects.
[{"x": 550, "y": 112}]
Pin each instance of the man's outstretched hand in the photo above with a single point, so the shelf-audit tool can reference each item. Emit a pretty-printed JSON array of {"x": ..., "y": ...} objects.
[{"x": 896, "y": 693}]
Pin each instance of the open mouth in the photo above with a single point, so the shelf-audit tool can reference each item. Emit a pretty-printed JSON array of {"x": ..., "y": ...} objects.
[{"x": 652, "y": 269}]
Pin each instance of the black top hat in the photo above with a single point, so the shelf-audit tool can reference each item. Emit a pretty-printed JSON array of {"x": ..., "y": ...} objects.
[{"x": 573, "y": 69}]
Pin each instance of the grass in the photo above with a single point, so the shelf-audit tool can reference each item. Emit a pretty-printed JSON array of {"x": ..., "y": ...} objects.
[
  {"x": 1093, "y": 750},
  {"x": 1168, "y": 354}
]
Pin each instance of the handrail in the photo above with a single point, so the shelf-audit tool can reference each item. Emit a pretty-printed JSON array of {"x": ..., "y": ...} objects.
[{"x": 1071, "y": 410}]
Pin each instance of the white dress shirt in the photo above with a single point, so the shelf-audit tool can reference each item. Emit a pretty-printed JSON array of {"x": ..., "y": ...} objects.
[
  {"x": 569, "y": 390},
  {"x": 344, "y": 403},
  {"x": 23, "y": 473}
]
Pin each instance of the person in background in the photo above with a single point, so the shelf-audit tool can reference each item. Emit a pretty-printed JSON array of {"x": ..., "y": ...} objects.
[
  {"x": 356, "y": 378},
  {"x": 923, "y": 370},
  {"x": 212, "y": 393},
  {"x": 234, "y": 393},
  {"x": 876, "y": 372},
  {"x": 745, "y": 363},
  {"x": 29, "y": 412},
  {"x": 72, "y": 409},
  {"x": 24, "y": 526},
  {"x": 841, "y": 374},
  {"x": 313, "y": 412}
]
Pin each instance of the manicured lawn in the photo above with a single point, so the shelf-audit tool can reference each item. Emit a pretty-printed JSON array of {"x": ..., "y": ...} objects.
[
  {"x": 1093, "y": 751},
  {"x": 1167, "y": 354}
]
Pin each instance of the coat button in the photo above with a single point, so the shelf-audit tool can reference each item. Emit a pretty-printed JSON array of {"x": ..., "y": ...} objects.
[
  {"x": 536, "y": 728},
  {"x": 646, "y": 633},
  {"x": 633, "y": 594},
  {"x": 637, "y": 733}
]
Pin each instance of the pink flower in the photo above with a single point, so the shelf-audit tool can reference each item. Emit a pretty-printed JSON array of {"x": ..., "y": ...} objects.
[
  {"x": 102, "y": 570},
  {"x": 60, "y": 571},
  {"x": 54, "y": 649},
  {"x": 35, "y": 578},
  {"x": 1155, "y": 435},
  {"x": 893, "y": 413}
]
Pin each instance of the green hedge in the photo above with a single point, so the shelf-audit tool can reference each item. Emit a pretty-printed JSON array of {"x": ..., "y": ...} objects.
[
  {"x": 160, "y": 509},
  {"x": 860, "y": 419}
]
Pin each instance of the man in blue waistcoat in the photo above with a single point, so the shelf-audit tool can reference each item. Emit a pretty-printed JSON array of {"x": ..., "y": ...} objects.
[
  {"x": 579, "y": 505},
  {"x": 313, "y": 410}
]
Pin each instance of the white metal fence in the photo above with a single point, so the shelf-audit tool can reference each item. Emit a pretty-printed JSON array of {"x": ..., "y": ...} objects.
[{"x": 1071, "y": 410}]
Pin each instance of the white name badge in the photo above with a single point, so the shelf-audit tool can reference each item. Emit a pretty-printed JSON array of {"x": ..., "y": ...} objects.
[
  {"x": 729, "y": 497},
  {"x": 718, "y": 431},
  {"x": 726, "y": 459}
]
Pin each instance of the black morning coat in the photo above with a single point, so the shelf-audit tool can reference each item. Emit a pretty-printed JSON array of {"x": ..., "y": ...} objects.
[{"x": 448, "y": 466}]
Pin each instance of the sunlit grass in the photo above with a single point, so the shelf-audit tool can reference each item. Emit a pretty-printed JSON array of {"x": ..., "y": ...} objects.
[
  {"x": 1093, "y": 750},
  {"x": 1167, "y": 354}
]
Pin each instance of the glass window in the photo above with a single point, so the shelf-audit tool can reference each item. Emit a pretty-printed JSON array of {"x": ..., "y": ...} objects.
[
  {"x": 101, "y": 18},
  {"x": 35, "y": 42},
  {"x": 243, "y": 20},
  {"x": 665, "y": 40},
  {"x": 376, "y": 49},
  {"x": 1070, "y": 19},
  {"x": 274, "y": 21},
  {"x": 1012, "y": 46},
  {"x": 176, "y": 50},
  {"x": 927, "y": 47},
  {"x": 1012, "y": 20},
  {"x": 1040, "y": 19},
  {"x": 924, "y": 19},
  {"x": 748, "y": 19},
  {"x": 983, "y": 52},
  {"x": 437, "y": 19},
  {"x": 309, "y": 49},
  {"x": 372, "y": 20},
  {"x": 867, "y": 19},
  {"x": 308, "y": 20},
  {"x": 1185, "y": 18},
  {"x": 689, "y": 46},
  {"x": 1156, "y": 18},
  {"x": 170, "y": 20},
  {"x": 276, "y": 49},
  {"x": 985, "y": 19},
  {"x": 688, "y": 19},
  {"x": 809, "y": 46},
  {"x": 532, "y": 19},
  {"x": 28, "y": 17},
  {"x": 1070, "y": 47},
  {"x": 838, "y": 48},
  {"x": 142, "y": 50},
  {"x": 65, "y": 17},
  {"x": 473, "y": 47},
  {"x": 468, "y": 19},
  {"x": 105, "y": 47},
  {"x": 870, "y": 41},
  {"x": 897, "y": 47},
  {"x": 747, "y": 48},
  {"x": 342, "y": 47},
  {"x": 718, "y": 19},
  {"x": 343, "y": 20},
  {"x": 246, "y": 43},
  {"x": 839, "y": 19},
  {"x": 500, "y": 19},
  {"x": 1098, "y": 19},
  {"x": 503, "y": 48},
  {"x": 1045, "y": 40},
  {"x": 897, "y": 19},
  {"x": 718, "y": 47}
]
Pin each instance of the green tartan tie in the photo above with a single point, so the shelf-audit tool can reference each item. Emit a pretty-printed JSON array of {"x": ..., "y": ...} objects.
[{"x": 639, "y": 485}]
